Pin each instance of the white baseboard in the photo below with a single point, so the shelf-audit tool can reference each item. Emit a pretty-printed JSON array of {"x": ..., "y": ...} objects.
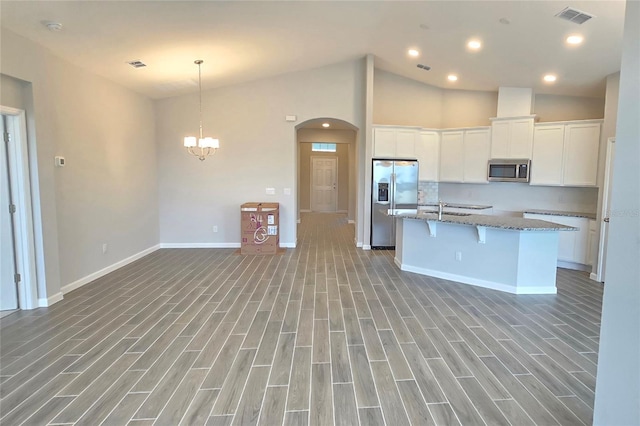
[
  {"x": 102, "y": 272},
  {"x": 477, "y": 282},
  {"x": 305, "y": 211},
  {"x": 366, "y": 247},
  {"x": 594, "y": 277},
  {"x": 48, "y": 301},
  {"x": 288, "y": 245},
  {"x": 200, "y": 245},
  {"x": 351, "y": 222},
  {"x": 573, "y": 265}
]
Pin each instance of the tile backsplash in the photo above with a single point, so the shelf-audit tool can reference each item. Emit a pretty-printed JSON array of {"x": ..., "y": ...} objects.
[{"x": 427, "y": 192}]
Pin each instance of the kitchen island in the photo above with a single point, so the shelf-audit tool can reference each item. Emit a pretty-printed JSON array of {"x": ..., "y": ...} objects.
[{"x": 510, "y": 254}]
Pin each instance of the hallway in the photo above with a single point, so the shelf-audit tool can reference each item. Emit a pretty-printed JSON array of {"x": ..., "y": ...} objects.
[{"x": 322, "y": 334}]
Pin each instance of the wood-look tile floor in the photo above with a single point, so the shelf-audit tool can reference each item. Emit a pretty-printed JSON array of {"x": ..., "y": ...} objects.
[{"x": 323, "y": 334}]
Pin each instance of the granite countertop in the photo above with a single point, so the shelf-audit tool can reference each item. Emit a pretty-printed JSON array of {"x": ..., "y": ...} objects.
[
  {"x": 457, "y": 206},
  {"x": 562, "y": 213},
  {"x": 500, "y": 222}
]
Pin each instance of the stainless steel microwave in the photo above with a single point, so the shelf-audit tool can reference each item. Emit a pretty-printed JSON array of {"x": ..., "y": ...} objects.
[{"x": 509, "y": 170}]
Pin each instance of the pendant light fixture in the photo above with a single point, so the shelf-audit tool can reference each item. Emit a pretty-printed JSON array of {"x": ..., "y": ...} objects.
[{"x": 201, "y": 147}]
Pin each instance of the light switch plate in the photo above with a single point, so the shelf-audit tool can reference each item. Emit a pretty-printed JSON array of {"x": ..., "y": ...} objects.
[
  {"x": 270, "y": 191},
  {"x": 287, "y": 191},
  {"x": 60, "y": 161}
]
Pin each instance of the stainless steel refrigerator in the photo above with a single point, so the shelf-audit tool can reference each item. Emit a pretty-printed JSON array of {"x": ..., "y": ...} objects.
[{"x": 394, "y": 186}]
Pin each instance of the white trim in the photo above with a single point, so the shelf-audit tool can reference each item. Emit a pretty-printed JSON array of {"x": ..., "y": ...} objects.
[
  {"x": 102, "y": 272},
  {"x": 476, "y": 282},
  {"x": 25, "y": 222},
  {"x": 351, "y": 222},
  {"x": 46, "y": 302},
  {"x": 604, "y": 211},
  {"x": 366, "y": 246},
  {"x": 304, "y": 211},
  {"x": 594, "y": 277},
  {"x": 200, "y": 245}
]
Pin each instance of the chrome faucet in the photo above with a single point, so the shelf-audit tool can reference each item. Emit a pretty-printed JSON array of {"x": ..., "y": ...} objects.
[{"x": 440, "y": 208}]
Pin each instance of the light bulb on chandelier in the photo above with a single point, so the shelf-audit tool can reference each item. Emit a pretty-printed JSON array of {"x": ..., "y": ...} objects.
[{"x": 201, "y": 147}]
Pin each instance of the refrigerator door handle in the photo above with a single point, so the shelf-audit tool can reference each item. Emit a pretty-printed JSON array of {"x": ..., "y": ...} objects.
[{"x": 393, "y": 191}]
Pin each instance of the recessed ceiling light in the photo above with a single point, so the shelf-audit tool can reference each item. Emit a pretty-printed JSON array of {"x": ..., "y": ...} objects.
[
  {"x": 325, "y": 125},
  {"x": 575, "y": 39},
  {"x": 549, "y": 78},
  {"x": 474, "y": 44},
  {"x": 52, "y": 26},
  {"x": 413, "y": 52},
  {"x": 452, "y": 77}
]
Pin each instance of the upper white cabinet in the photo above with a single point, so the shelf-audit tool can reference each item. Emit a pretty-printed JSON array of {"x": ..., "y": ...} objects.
[
  {"x": 581, "y": 148},
  {"x": 451, "y": 156},
  {"x": 394, "y": 142},
  {"x": 427, "y": 150},
  {"x": 511, "y": 137},
  {"x": 464, "y": 155},
  {"x": 565, "y": 154}
]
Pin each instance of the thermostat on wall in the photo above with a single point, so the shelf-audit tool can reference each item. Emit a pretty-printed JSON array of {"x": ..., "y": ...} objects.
[{"x": 60, "y": 161}]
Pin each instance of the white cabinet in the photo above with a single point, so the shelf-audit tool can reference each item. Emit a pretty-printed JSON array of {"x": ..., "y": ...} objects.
[
  {"x": 451, "y": 156},
  {"x": 581, "y": 146},
  {"x": 464, "y": 155},
  {"x": 565, "y": 154},
  {"x": 394, "y": 142},
  {"x": 427, "y": 150},
  {"x": 574, "y": 246},
  {"x": 476, "y": 155},
  {"x": 548, "y": 148},
  {"x": 512, "y": 137}
]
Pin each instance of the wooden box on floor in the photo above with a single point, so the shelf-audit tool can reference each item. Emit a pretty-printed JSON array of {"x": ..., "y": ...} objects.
[{"x": 259, "y": 228}]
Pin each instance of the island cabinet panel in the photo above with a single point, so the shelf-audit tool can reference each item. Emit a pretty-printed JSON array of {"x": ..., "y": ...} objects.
[
  {"x": 548, "y": 147},
  {"x": 427, "y": 150},
  {"x": 512, "y": 138},
  {"x": 565, "y": 154},
  {"x": 452, "y": 156},
  {"x": 394, "y": 142}
]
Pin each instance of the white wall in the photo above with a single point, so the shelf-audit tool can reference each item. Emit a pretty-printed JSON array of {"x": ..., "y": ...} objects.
[
  {"x": 618, "y": 382},
  {"x": 257, "y": 150},
  {"x": 564, "y": 108},
  {"x": 516, "y": 197},
  {"x": 107, "y": 192},
  {"x": 13, "y": 92},
  {"x": 468, "y": 108},
  {"x": 405, "y": 102}
]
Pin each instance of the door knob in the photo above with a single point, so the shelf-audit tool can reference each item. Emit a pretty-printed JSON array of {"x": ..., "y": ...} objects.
[{"x": 606, "y": 220}]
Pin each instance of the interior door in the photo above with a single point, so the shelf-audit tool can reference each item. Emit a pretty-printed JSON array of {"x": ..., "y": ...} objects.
[
  {"x": 8, "y": 289},
  {"x": 606, "y": 209},
  {"x": 324, "y": 184}
]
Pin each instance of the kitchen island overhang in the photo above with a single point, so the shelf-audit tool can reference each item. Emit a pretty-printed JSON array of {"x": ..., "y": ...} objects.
[{"x": 510, "y": 254}]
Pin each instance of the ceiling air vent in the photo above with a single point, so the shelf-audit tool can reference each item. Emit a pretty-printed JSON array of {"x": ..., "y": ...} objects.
[
  {"x": 137, "y": 64},
  {"x": 424, "y": 67},
  {"x": 574, "y": 15}
]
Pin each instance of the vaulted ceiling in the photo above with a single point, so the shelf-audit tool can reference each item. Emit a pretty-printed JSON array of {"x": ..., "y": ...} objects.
[{"x": 241, "y": 41}]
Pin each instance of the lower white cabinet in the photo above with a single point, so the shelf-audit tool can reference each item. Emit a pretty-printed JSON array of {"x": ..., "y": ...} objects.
[{"x": 574, "y": 246}]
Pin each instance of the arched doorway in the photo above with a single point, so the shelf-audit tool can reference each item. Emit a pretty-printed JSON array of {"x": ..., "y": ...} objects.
[{"x": 326, "y": 152}]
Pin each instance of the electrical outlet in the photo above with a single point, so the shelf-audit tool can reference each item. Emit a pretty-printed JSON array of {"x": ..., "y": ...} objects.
[
  {"x": 105, "y": 247},
  {"x": 287, "y": 191},
  {"x": 215, "y": 228},
  {"x": 459, "y": 256}
]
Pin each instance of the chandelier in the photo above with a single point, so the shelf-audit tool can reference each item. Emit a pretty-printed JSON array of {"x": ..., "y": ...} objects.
[{"x": 201, "y": 147}]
